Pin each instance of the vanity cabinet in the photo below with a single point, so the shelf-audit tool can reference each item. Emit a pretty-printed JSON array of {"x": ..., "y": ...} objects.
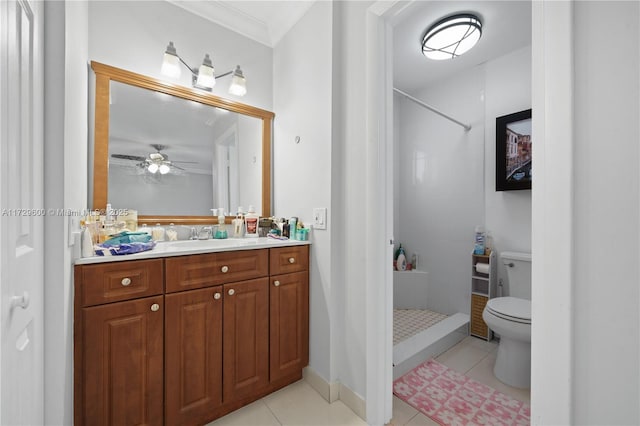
[{"x": 222, "y": 330}]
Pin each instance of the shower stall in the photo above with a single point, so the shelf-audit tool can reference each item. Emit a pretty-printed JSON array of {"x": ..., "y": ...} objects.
[{"x": 439, "y": 187}]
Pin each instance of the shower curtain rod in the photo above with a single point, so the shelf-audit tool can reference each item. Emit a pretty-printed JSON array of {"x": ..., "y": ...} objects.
[{"x": 433, "y": 109}]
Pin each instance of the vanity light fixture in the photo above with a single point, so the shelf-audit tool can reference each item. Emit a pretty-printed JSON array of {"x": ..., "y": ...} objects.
[
  {"x": 203, "y": 77},
  {"x": 452, "y": 36}
]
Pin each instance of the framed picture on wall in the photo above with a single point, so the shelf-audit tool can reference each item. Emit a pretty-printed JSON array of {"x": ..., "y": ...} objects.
[{"x": 513, "y": 151}]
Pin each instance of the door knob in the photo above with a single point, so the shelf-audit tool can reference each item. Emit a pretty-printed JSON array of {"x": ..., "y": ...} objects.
[
  {"x": 292, "y": 260},
  {"x": 231, "y": 292},
  {"x": 276, "y": 283},
  {"x": 224, "y": 269},
  {"x": 217, "y": 296},
  {"x": 125, "y": 281},
  {"x": 155, "y": 307}
]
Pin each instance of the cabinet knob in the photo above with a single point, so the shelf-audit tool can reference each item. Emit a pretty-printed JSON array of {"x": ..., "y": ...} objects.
[
  {"x": 292, "y": 260},
  {"x": 231, "y": 292},
  {"x": 217, "y": 296},
  {"x": 125, "y": 281},
  {"x": 276, "y": 283},
  {"x": 224, "y": 269},
  {"x": 155, "y": 307}
]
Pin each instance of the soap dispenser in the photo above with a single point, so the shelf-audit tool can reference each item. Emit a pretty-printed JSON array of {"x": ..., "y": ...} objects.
[{"x": 221, "y": 233}]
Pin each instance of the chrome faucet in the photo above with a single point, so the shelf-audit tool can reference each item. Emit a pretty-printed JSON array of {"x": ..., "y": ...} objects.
[
  {"x": 205, "y": 233},
  {"x": 194, "y": 233}
]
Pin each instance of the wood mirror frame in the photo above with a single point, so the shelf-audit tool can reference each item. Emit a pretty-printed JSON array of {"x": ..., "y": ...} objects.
[{"x": 104, "y": 74}]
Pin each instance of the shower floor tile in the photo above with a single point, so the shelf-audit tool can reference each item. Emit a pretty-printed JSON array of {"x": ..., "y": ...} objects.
[{"x": 409, "y": 322}]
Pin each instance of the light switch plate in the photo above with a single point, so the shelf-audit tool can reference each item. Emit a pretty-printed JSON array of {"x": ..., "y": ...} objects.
[
  {"x": 74, "y": 228},
  {"x": 320, "y": 218}
]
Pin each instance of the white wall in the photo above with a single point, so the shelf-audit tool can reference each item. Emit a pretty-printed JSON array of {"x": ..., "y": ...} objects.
[
  {"x": 507, "y": 213},
  {"x": 606, "y": 214},
  {"x": 446, "y": 176},
  {"x": 133, "y": 35},
  {"x": 302, "y": 172},
  {"x": 65, "y": 187}
]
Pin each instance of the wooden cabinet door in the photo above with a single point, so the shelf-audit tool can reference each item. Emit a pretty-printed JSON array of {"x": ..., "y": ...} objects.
[
  {"x": 289, "y": 324},
  {"x": 193, "y": 351},
  {"x": 245, "y": 338},
  {"x": 122, "y": 364}
]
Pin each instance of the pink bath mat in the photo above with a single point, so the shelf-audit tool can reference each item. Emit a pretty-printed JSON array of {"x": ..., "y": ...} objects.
[{"x": 451, "y": 398}]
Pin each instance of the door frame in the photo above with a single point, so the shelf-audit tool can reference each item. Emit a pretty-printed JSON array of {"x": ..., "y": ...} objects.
[{"x": 552, "y": 210}]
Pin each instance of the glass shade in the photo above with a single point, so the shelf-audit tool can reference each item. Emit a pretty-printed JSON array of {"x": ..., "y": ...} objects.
[
  {"x": 206, "y": 77},
  {"x": 451, "y": 37},
  {"x": 238, "y": 85},
  {"x": 171, "y": 62},
  {"x": 153, "y": 167}
]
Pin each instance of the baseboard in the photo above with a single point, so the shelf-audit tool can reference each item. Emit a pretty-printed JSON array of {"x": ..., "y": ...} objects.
[
  {"x": 353, "y": 401},
  {"x": 331, "y": 392}
]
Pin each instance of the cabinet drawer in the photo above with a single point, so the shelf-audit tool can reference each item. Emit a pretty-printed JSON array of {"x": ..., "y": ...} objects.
[
  {"x": 116, "y": 281},
  {"x": 285, "y": 260},
  {"x": 205, "y": 270}
]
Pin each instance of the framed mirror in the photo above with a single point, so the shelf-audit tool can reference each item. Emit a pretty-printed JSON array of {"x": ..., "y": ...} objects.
[{"x": 173, "y": 153}]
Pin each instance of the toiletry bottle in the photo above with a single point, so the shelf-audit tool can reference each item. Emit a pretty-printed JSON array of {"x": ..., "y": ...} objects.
[
  {"x": 285, "y": 229},
  {"x": 238, "y": 224},
  {"x": 86, "y": 242},
  {"x": 221, "y": 233},
  {"x": 293, "y": 227},
  {"x": 479, "y": 240},
  {"x": 108, "y": 225},
  {"x": 157, "y": 233},
  {"x": 401, "y": 261},
  {"x": 145, "y": 228},
  {"x": 251, "y": 223},
  {"x": 488, "y": 243},
  {"x": 397, "y": 253},
  {"x": 172, "y": 233}
]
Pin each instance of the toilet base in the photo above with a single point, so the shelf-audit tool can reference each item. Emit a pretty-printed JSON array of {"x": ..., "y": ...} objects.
[{"x": 513, "y": 363}]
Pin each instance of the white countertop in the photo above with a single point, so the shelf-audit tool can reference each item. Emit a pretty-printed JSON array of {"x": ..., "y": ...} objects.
[{"x": 181, "y": 248}]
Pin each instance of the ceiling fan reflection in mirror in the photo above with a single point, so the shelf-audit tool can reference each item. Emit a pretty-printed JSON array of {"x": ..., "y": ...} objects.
[{"x": 156, "y": 162}]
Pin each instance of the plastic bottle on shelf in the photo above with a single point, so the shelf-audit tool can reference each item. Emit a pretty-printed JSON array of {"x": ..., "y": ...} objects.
[
  {"x": 479, "y": 240},
  {"x": 401, "y": 261}
]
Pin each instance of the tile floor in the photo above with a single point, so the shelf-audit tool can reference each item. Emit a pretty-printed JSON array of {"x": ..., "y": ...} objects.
[{"x": 299, "y": 404}]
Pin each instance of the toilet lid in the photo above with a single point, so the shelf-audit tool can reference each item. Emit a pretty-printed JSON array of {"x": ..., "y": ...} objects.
[{"x": 511, "y": 308}]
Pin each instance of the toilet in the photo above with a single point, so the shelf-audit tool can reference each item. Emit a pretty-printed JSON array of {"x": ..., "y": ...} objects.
[{"x": 510, "y": 317}]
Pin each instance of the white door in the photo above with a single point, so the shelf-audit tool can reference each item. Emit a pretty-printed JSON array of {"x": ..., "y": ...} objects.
[{"x": 22, "y": 217}]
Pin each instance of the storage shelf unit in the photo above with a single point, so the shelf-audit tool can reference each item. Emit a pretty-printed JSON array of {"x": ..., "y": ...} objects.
[{"x": 483, "y": 288}]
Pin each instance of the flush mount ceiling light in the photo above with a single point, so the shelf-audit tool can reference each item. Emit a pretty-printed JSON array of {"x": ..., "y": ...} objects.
[
  {"x": 451, "y": 37},
  {"x": 203, "y": 77}
]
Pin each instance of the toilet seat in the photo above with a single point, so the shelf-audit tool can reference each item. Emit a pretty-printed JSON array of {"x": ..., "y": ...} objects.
[{"x": 510, "y": 309}]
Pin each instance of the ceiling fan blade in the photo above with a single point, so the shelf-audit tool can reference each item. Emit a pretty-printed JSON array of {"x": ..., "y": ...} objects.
[
  {"x": 185, "y": 162},
  {"x": 128, "y": 157}
]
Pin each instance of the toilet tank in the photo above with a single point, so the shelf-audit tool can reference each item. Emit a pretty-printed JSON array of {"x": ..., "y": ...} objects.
[{"x": 518, "y": 266}]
